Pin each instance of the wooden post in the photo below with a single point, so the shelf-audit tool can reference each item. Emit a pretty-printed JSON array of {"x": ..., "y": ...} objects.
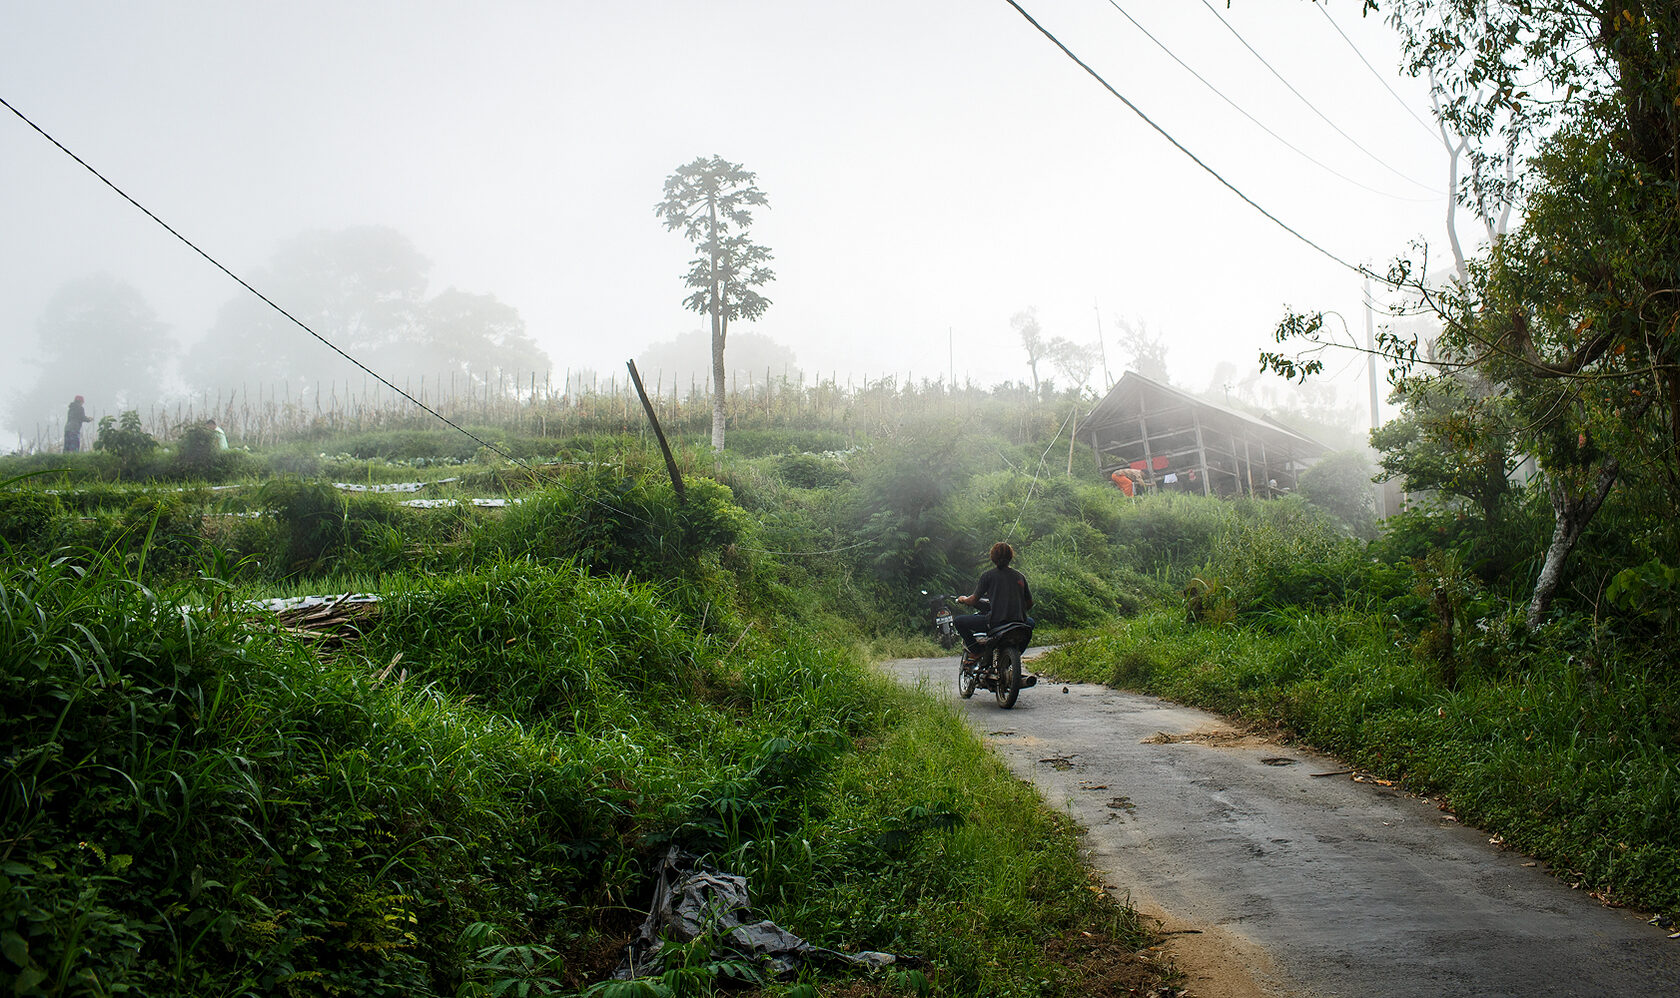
[
  {"x": 1073, "y": 432},
  {"x": 658, "y": 433},
  {"x": 1201, "y": 452}
]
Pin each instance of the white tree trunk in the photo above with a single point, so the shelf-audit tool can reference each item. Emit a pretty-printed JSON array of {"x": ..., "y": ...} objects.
[
  {"x": 1571, "y": 514},
  {"x": 719, "y": 396}
]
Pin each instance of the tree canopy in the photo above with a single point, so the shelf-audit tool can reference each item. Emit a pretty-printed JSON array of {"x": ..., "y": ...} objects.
[
  {"x": 364, "y": 289},
  {"x": 98, "y": 337},
  {"x": 1570, "y": 111}
]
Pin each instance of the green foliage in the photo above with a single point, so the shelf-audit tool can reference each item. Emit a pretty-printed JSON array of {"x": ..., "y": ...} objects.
[
  {"x": 1453, "y": 436},
  {"x": 809, "y": 471},
  {"x": 311, "y": 516},
  {"x": 540, "y": 643},
  {"x": 1340, "y": 484},
  {"x": 617, "y": 524},
  {"x": 197, "y": 806},
  {"x": 1649, "y": 593},
  {"x": 126, "y": 441},
  {"x": 28, "y": 516},
  {"x": 1283, "y": 553},
  {"x": 199, "y": 457},
  {"x": 1443, "y": 582}
]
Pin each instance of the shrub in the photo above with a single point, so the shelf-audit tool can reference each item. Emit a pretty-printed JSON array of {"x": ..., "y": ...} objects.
[
  {"x": 126, "y": 441},
  {"x": 809, "y": 471},
  {"x": 311, "y": 516},
  {"x": 27, "y": 517},
  {"x": 615, "y": 524},
  {"x": 1341, "y": 485}
]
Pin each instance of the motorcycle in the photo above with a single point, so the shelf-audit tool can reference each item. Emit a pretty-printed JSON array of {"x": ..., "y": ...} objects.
[
  {"x": 944, "y": 626},
  {"x": 998, "y": 667}
]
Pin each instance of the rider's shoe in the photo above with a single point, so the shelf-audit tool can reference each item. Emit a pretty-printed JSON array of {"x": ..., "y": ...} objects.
[{"x": 970, "y": 657}]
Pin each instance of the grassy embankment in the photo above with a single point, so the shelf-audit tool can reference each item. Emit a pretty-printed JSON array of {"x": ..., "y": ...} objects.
[{"x": 204, "y": 805}]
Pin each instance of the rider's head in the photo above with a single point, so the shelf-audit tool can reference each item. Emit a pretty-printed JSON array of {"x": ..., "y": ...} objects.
[{"x": 1001, "y": 554}]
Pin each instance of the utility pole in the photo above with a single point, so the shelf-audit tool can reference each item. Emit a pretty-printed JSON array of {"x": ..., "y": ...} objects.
[
  {"x": 1108, "y": 382},
  {"x": 1371, "y": 377}
]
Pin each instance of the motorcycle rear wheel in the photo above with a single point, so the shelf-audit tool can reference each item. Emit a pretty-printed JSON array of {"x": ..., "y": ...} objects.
[
  {"x": 1008, "y": 686},
  {"x": 966, "y": 679}
]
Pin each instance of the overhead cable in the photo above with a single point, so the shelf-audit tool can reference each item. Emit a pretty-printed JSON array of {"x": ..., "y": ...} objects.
[
  {"x": 510, "y": 456},
  {"x": 1310, "y": 105},
  {"x": 1257, "y": 122},
  {"x": 1432, "y": 130},
  {"x": 1280, "y": 223}
]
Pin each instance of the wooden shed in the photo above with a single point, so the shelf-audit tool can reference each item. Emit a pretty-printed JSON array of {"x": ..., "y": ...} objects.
[{"x": 1183, "y": 443}]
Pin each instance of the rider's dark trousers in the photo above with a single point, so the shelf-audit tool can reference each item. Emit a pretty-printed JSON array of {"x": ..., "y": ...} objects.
[{"x": 968, "y": 625}]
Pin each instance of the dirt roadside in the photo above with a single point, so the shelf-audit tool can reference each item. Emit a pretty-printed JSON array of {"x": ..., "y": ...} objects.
[{"x": 1271, "y": 872}]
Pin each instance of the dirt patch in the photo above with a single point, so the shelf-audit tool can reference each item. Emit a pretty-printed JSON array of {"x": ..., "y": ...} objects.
[
  {"x": 1216, "y": 737},
  {"x": 1209, "y": 961}
]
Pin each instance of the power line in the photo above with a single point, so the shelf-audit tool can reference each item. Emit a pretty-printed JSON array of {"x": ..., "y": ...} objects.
[
  {"x": 1036, "y": 472},
  {"x": 1311, "y": 106},
  {"x": 1257, "y": 122},
  {"x": 1082, "y": 64},
  {"x": 1433, "y": 133},
  {"x": 304, "y": 326}
]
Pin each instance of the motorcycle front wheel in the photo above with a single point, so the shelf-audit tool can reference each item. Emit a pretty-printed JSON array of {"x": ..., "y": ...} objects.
[
  {"x": 966, "y": 679},
  {"x": 1008, "y": 686}
]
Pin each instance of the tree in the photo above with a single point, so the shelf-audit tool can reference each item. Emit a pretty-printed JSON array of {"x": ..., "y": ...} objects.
[
  {"x": 710, "y": 200},
  {"x": 1570, "y": 110},
  {"x": 126, "y": 441},
  {"x": 686, "y": 360},
  {"x": 1452, "y": 438},
  {"x": 1026, "y": 326},
  {"x": 100, "y": 338},
  {"x": 477, "y": 336},
  {"x": 361, "y": 288},
  {"x": 1074, "y": 361},
  {"x": 1143, "y": 349},
  {"x": 1340, "y": 484}
]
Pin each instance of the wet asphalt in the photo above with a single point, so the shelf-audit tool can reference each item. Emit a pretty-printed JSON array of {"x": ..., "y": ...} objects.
[{"x": 1348, "y": 887}]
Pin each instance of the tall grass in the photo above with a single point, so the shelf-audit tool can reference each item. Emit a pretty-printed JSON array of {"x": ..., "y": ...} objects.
[{"x": 194, "y": 803}]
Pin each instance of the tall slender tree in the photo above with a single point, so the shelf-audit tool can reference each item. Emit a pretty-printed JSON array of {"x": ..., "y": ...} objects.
[{"x": 711, "y": 201}]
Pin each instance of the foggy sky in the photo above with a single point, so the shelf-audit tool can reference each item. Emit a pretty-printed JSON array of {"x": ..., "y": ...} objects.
[{"x": 932, "y": 167}]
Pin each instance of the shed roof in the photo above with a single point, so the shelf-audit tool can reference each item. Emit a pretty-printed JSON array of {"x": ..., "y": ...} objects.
[{"x": 1134, "y": 391}]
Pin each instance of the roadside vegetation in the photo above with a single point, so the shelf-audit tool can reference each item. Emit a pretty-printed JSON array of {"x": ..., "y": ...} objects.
[{"x": 468, "y": 791}]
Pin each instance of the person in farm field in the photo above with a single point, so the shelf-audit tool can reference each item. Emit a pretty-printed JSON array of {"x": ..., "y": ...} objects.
[
  {"x": 73, "y": 420},
  {"x": 1127, "y": 480},
  {"x": 217, "y": 432},
  {"x": 1007, "y": 592}
]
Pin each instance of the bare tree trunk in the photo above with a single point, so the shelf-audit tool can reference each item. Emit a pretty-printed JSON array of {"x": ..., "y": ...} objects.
[
  {"x": 719, "y": 392},
  {"x": 1572, "y": 512},
  {"x": 719, "y": 330}
]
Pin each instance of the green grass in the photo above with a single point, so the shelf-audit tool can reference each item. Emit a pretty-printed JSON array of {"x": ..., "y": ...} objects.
[{"x": 196, "y": 804}]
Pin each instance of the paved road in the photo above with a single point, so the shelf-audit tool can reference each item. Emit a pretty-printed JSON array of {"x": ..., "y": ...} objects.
[{"x": 1318, "y": 885}]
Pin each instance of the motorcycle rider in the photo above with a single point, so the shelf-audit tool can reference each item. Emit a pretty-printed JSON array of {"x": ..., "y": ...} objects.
[{"x": 1008, "y": 592}]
